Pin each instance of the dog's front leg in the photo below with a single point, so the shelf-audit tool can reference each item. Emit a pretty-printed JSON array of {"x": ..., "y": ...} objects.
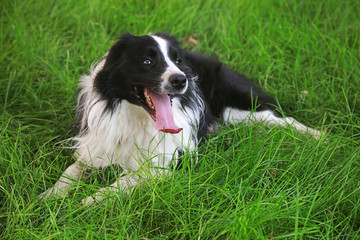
[
  {"x": 124, "y": 184},
  {"x": 62, "y": 186}
]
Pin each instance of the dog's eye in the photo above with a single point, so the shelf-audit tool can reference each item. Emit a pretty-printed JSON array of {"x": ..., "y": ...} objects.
[
  {"x": 147, "y": 62},
  {"x": 177, "y": 61}
]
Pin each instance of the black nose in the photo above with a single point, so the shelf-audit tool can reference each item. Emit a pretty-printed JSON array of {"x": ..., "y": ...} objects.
[{"x": 178, "y": 81}]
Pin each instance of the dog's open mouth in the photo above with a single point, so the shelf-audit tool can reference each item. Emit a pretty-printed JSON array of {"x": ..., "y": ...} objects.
[{"x": 162, "y": 111}]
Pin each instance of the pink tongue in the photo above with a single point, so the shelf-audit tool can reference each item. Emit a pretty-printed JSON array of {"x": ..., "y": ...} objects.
[{"x": 164, "y": 117}]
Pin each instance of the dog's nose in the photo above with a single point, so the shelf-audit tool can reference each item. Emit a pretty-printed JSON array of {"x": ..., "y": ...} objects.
[{"x": 178, "y": 81}]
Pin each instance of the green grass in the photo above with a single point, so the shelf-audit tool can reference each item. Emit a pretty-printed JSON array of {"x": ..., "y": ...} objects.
[{"x": 251, "y": 182}]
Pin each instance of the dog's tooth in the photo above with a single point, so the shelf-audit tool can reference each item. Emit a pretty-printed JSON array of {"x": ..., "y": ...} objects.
[{"x": 148, "y": 99}]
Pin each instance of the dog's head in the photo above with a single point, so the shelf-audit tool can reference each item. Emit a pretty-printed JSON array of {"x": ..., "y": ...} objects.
[{"x": 146, "y": 71}]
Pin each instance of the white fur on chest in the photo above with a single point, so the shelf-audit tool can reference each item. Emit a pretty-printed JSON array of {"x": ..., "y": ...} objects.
[{"x": 127, "y": 136}]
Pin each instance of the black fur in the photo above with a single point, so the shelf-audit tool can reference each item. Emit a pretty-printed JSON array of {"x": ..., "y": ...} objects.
[
  {"x": 223, "y": 87},
  {"x": 153, "y": 72},
  {"x": 124, "y": 76}
]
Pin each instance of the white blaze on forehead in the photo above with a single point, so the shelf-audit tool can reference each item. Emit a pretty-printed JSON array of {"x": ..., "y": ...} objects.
[{"x": 164, "y": 49}]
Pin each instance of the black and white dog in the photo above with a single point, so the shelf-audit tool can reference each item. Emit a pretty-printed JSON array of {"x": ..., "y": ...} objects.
[{"x": 147, "y": 102}]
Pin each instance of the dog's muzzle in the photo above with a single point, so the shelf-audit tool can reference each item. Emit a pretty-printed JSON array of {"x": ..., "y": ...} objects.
[{"x": 178, "y": 81}]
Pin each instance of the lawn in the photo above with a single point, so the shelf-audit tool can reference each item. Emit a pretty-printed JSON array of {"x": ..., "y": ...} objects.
[{"x": 252, "y": 182}]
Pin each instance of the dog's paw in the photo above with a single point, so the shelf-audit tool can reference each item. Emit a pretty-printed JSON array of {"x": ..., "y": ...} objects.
[
  {"x": 103, "y": 194},
  {"x": 97, "y": 197},
  {"x": 90, "y": 200},
  {"x": 316, "y": 134},
  {"x": 54, "y": 193}
]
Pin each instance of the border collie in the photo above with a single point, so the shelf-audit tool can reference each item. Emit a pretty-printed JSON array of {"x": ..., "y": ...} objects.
[{"x": 148, "y": 101}]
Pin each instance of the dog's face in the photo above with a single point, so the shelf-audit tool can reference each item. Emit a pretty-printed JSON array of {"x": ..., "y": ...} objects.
[{"x": 146, "y": 71}]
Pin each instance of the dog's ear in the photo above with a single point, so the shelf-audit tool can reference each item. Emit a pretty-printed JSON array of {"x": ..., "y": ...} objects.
[
  {"x": 117, "y": 49},
  {"x": 112, "y": 62}
]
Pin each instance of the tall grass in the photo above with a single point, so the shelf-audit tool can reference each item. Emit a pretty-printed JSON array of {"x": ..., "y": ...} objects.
[{"x": 251, "y": 182}]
